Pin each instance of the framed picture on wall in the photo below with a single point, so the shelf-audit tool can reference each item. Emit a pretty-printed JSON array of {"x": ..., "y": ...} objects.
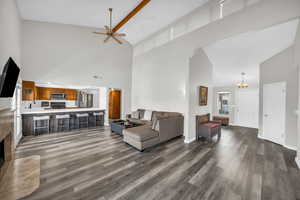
[{"x": 203, "y": 95}]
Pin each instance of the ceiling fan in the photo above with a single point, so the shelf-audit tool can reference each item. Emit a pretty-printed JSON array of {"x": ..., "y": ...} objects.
[{"x": 111, "y": 32}]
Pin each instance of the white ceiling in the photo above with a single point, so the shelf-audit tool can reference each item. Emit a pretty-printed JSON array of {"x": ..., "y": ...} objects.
[
  {"x": 93, "y": 13},
  {"x": 244, "y": 53}
]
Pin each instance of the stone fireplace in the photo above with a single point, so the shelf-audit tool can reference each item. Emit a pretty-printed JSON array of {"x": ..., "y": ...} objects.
[{"x": 6, "y": 140}]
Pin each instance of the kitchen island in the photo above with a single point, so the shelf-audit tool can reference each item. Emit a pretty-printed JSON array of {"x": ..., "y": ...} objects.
[{"x": 28, "y": 115}]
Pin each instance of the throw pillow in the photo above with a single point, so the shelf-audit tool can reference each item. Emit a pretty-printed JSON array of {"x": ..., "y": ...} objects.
[
  {"x": 135, "y": 115},
  {"x": 154, "y": 123},
  {"x": 148, "y": 115},
  {"x": 156, "y": 128}
]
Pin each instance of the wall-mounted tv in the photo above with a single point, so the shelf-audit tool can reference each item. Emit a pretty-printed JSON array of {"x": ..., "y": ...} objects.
[{"x": 9, "y": 78}]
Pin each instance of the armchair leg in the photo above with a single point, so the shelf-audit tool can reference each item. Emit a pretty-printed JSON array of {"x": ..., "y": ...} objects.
[
  {"x": 210, "y": 139},
  {"x": 219, "y": 136}
]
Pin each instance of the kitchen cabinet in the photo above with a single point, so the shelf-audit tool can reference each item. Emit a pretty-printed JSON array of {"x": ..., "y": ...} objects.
[
  {"x": 28, "y": 91},
  {"x": 71, "y": 94},
  {"x": 45, "y": 93},
  {"x": 31, "y": 92}
]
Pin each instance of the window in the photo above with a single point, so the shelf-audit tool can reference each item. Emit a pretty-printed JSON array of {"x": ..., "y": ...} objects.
[{"x": 223, "y": 102}]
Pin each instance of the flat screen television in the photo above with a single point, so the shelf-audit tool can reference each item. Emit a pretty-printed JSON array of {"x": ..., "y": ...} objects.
[{"x": 9, "y": 78}]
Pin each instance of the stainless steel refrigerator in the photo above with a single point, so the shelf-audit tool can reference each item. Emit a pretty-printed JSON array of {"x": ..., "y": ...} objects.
[{"x": 84, "y": 100}]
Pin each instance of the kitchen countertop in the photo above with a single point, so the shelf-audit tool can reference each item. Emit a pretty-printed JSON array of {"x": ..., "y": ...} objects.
[{"x": 46, "y": 111}]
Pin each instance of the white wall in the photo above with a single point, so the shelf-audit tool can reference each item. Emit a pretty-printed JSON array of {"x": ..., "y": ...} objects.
[
  {"x": 199, "y": 17},
  {"x": 281, "y": 68},
  {"x": 71, "y": 55},
  {"x": 10, "y": 37},
  {"x": 297, "y": 64},
  {"x": 200, "y": 74},
  {"x": 160, "y": 75},
  {"x": 10, "y": 46}
]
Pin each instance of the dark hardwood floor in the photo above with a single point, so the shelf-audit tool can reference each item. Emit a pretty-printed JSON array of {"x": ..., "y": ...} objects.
[{"x": 95, "y": 164}]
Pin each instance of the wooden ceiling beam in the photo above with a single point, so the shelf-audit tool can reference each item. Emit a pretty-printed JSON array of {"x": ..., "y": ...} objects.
[{"x": 130, "y": 15}]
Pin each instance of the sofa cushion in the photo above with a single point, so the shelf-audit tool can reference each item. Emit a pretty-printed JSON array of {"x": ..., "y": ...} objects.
[
  {"x": 139, "y": 121},
  {"x": 135, "y": 115},
  {"x": 141, "y": 113},
  {"x": 148, "y": 115},
  {"x": 165, "y": 115},
  {"x": 210, "y": 124},
  {"x": 155, "y": 124},
  {"x": 162, "y": 115},
  {"x": 141, "y": 133},
  {"x": 155, "y": 118}
]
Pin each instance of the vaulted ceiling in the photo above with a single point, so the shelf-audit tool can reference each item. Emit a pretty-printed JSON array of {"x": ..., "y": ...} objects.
[
  {"x": 245, "y": 52},
  {"x": 94, "y": 13}
]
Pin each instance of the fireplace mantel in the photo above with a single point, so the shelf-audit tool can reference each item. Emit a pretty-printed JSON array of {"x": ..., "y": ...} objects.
[{"x": 7, "y": 134}]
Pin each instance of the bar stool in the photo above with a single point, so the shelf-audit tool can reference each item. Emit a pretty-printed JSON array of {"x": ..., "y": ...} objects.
[
  {"x": 62, "y": 123},
  {"x": 39, "y": 123},
  {"x": 82, "y": 120},
  {"x": 98, "y": 116}
]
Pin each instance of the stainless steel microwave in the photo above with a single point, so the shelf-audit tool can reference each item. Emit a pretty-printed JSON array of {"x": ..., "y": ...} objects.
[{"x": 58, "y": 96}]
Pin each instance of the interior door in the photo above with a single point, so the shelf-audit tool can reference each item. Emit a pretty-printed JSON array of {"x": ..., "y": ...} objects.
[
  {"x": 115, "y": 104},
  {"x": 247, "y": 108},
  {"x": 274, "y": 108}
]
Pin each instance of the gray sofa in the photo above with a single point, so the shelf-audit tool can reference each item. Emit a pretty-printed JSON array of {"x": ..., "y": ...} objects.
[{"x": 162, "y": 127}]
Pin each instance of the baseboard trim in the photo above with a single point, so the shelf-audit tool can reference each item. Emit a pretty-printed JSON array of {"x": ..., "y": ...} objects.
[
  {"x": 260, "y": 137},
  {"x": 297, "y": 160},
  {"x": 188, "y": 141},
  {"x": 290, "y": 147},
  {"x": 284, "y": 145}
]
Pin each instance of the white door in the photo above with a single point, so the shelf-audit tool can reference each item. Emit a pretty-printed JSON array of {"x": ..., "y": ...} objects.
[
  {"x": 274, "y": 103},
  {"x": 247, "y": 101}
]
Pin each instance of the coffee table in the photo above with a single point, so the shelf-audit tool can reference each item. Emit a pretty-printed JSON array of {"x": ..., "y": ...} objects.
[{"x": 119, "y": 125}]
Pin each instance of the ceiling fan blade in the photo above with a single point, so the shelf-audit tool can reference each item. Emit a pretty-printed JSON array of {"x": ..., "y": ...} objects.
[
  {"x": 108, "y": 37},
  {"x": 119, "y": 41},
  {"x": 119, "y": 34},
  {"x": 100, "y": 33},
  {"x": 130, "y": 15}
]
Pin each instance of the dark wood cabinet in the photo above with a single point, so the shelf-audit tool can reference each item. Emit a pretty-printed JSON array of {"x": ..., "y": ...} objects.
[
  {"x": 45, "y": 93},
  {"x": 71, "y": 94},
  {"x": 28, "y": 91}
]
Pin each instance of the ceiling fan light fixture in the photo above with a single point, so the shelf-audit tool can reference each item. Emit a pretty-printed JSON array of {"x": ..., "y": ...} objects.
[
  {"x": 243, "y": 83},
  {"x": 111, "y": 32}
]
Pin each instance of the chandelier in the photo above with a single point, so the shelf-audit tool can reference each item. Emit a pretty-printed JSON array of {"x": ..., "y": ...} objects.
[{"x": 243, "y": 83}]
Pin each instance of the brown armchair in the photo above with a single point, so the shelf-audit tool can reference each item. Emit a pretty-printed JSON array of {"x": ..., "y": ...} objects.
[{"x": 206, "y": 128}]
